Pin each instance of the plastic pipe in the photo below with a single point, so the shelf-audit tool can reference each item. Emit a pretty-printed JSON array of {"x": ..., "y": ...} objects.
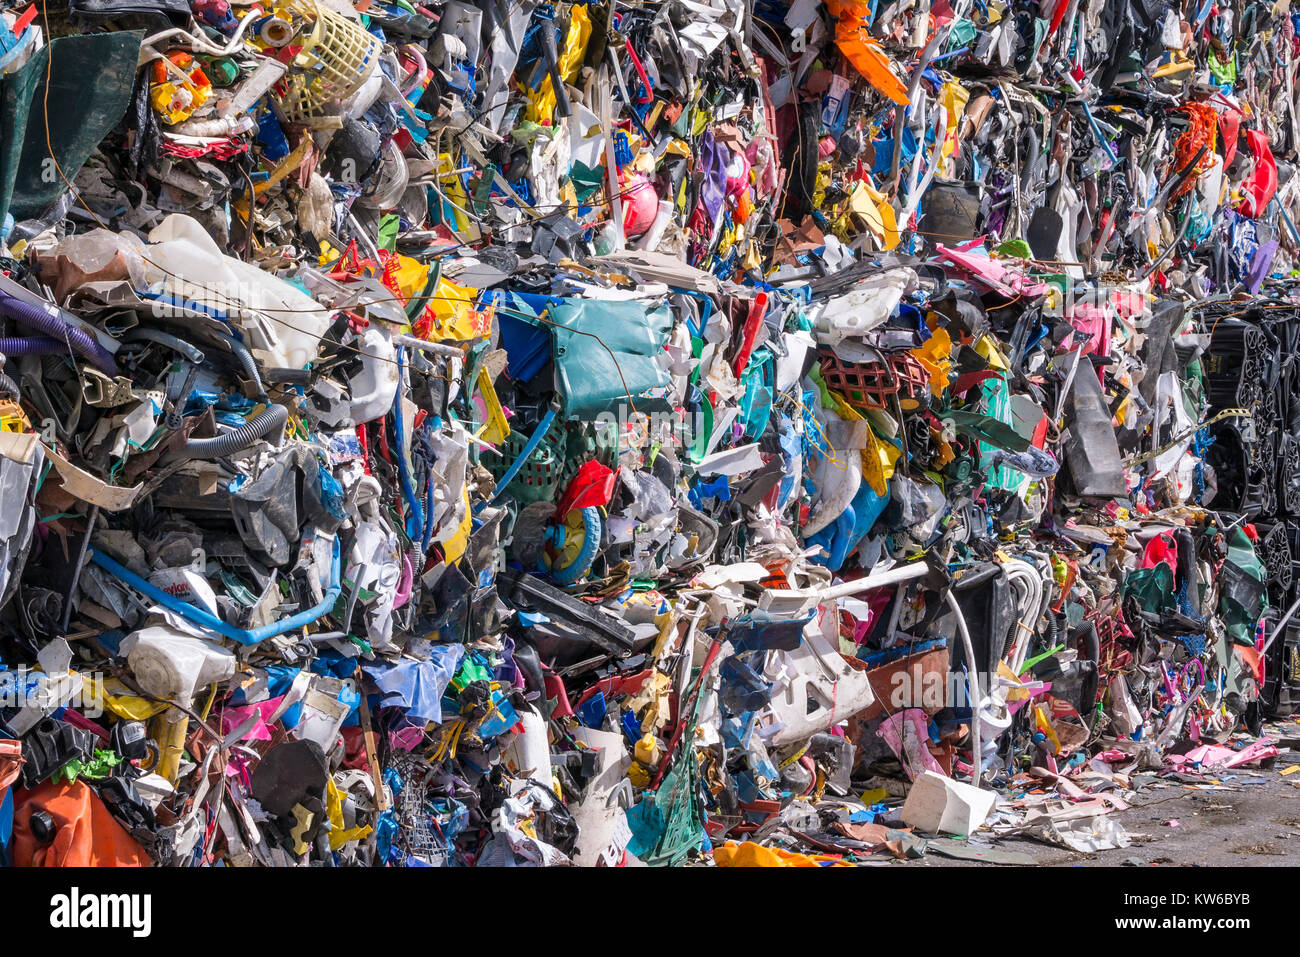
[
  {"x": 250, "y": 365},
  {"x": 1028, "y": 583},
  {"x": 706, "y": 310},
  {"x": 551, "y": 54},
  {"x": 897, "y": 576},
  {"x": 437, "y": 348},
  {"x": 194, "y": 356},
  {"x": 972, "y": 675},
  {"x": 201, "y": 616},
  {"x": 200, "y": 42},
  {"x": 894, "y": 614},
  {"x": 893, "y": 576},
  {"x": 176, "y": 343},
  {"x": 31, "y": 346},
  {"x": 421, "y": 69},
  {"x": 53, "y": 326},
  {"x": 219, "y": 446}
]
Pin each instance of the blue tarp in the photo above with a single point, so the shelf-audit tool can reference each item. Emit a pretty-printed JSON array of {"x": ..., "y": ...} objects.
[{"x": 417, "y": 686}]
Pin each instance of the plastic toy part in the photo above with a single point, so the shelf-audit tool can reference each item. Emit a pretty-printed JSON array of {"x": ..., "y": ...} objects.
[
  {"x": 815, "y": 688},
  {"x": 575, "y": 544}
]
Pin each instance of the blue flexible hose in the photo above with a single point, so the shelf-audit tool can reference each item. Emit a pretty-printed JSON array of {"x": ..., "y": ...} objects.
[
  {"x": 415, "y": 521},
  {"x": 428, "y": 525},
  {"x": 201, "y": 616}
]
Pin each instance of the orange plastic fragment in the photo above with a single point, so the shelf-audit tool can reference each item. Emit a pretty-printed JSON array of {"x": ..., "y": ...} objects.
[{"x": 862, "y": 50}]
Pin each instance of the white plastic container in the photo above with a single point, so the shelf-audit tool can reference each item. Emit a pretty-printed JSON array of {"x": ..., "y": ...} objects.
[
  {"x": 173, "y": 665},
  {"x": 279, "y": 318}
]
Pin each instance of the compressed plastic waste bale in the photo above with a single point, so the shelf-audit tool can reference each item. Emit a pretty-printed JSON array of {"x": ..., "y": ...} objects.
[{"x": 637, "y": 434}]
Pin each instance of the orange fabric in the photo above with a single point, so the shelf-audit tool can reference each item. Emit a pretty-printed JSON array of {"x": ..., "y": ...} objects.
[
  {"x": 87, "y": 835},
  {"x": 1201, "y": 132},
  {"x": 750, "y": 854}
]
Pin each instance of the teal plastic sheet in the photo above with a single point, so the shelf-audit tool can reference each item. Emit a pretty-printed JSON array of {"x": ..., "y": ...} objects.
[{"x": 608, "y": 357}]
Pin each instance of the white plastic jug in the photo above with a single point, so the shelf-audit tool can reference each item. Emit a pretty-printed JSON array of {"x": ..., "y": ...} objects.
[
  {"x": 278, "y": 317},
  {"x": 173, "y": 665}
]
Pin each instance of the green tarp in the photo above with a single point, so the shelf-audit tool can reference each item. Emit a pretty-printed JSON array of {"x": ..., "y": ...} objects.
[{"x": 90, "y": 82}]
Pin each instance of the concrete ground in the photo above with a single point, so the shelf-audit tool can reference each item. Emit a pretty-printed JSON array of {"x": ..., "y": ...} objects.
[{"x": 1253, "y": 825}]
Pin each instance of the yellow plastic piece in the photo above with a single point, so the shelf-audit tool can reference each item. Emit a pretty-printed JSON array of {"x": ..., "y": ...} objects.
[
  {"x": 328, "y": 254},
  {"x": 877, "y": 462},
  {"x": 988, "y": 348},
  {"x": 653, "y": 702},
  {"x": 953, "y": 98},
  {"x": 935, "y": 355},
  {"x": 1178, "y": 63},
  {"x": 874, "y": 208},
  {"x": 1044, "y": 724},
  {"x": 411, "y": 276},
  {"x": 889, "y": 456},
  {"x": 454, "y": 191},
  {"x": 575, "y": 535},
  {"x": 541, "y": 103},
  {"x": 169, "y": 730},
  {"x": 12, "y": 417},
  {"x": 1015, "y": 693},
  {"x": 340, "y": 835},
  {"x": 455, "y": 546},
  {"x": 451, "y": 314},
  {"x": 176, "y": 102},
  {"x": 1060, "y": 570},
  {"x": 286, "y": 166},
  {"x": 497, "y": 428},
  {"x": 120, "y": 701},
  {"x": 647, "y": 750}
]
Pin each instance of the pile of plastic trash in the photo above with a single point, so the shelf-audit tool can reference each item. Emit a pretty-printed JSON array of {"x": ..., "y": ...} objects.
[{"x": 531, "y": 433}]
